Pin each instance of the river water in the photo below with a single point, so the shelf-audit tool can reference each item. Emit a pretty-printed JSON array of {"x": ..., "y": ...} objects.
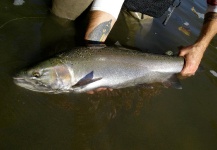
[{"x": 129, "y": 119}]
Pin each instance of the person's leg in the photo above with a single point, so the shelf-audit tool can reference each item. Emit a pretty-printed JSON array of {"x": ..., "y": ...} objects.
[{"x": 69, "y": 9}]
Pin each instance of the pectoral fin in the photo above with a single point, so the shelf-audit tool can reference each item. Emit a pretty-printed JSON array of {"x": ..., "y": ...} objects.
[{"x": 87, "y": 79}]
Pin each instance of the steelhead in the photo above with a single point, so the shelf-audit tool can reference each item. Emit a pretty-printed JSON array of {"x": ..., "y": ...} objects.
[{"x": 83, "y": 69}]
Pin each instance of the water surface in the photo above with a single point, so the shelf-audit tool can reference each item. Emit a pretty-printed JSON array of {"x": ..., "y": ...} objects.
[{"x": 129, "y": 119}]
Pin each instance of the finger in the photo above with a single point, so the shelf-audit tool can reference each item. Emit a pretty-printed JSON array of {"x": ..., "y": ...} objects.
[
  {"x": 100, "y": 89},
  {"x": 90, "y": 92},
  {"x": 185, "y": 71},
  {"x": 182, "y": 53},
  {"x": 188, "y": 71},
  {"x": 183, "y": 74},
  {"x": 180, "y": 76}
]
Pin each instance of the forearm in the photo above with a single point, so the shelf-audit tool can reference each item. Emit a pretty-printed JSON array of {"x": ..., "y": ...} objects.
[
  {"x": 103, "y": 15},
  {"x": 208, "y": 31},
  {"x": 100, "y": 25}
]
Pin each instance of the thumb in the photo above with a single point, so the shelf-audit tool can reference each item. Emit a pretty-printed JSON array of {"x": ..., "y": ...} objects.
[{"x": 182, "y": 53}]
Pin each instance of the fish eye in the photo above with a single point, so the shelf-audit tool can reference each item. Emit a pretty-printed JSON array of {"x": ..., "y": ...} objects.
[{"x": 36, "y": 74}]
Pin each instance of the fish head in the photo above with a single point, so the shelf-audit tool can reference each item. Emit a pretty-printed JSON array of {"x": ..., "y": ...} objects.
[{"x": 51, "y": 76}]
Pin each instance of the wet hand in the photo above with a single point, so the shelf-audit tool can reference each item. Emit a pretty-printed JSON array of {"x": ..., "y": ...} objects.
[
  {"x": 98, "y": 90},
  {"x": 193, "y": 55}
]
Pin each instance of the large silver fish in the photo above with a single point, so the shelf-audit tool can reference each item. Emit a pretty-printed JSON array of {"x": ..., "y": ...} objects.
[{"x": 83, "y": 69}]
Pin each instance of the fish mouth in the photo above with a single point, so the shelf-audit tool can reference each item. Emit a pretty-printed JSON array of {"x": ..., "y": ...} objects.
[
  {"x": 31, "y": 85},
  {"x": 23, "y": 83},
  {"x": 19, "y": 81}
]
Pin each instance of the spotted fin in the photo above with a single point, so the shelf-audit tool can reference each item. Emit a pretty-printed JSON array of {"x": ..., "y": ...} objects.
[{"x": 87, "y": 79}]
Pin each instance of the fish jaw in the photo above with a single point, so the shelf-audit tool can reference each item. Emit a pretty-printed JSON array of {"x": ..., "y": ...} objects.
[{"x": 31, "y": 84}]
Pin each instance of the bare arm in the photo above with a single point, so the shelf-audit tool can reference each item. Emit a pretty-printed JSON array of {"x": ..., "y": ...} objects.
[
  {"x": 194, "y": 53},
  {"x": 209, "y": 29},
  {"x": 100, "y": 25},
  {"x": 103, "y": 15}
]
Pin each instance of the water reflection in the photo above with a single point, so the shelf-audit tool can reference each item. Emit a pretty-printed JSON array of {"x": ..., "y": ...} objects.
[
  {"x": 93, "y": 114},
  {"x": 79, "y": 121}
]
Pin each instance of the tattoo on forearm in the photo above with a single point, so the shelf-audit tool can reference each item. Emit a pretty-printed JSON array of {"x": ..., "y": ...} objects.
[
  {"x": 210, "y": 16},
  {"x": 100, "y": 32}
]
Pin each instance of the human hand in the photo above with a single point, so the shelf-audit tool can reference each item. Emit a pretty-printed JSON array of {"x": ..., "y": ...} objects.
[
  {"x": 98, "y": 90},
  {"x": 193, "y": 55}
]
